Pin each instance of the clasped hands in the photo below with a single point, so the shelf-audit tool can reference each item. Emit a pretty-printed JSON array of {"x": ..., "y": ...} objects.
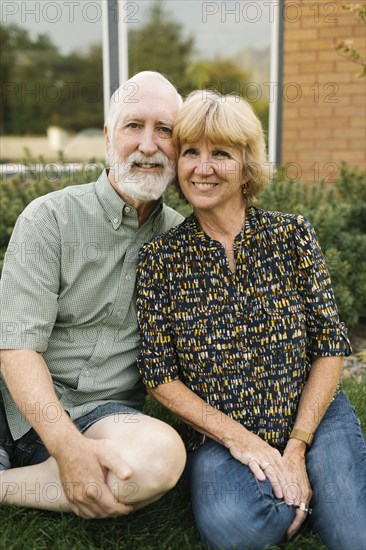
[{"x": 286, "y": 473}]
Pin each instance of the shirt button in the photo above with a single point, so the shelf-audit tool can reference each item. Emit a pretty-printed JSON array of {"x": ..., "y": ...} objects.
[
  {"x": 87, "y": 373},
  {"x": 127, "y": 209},
  {"x": 115, "y": 220},
  {"x": 128, "y": 277},
  {"x": 119, "y": 313}
]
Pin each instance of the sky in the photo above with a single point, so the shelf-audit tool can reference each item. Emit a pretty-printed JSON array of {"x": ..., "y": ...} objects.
[{"x": 218, "y": 27}]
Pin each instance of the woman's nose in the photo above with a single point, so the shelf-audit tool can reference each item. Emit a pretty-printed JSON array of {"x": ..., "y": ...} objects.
[{"x": 205, "y": 167}]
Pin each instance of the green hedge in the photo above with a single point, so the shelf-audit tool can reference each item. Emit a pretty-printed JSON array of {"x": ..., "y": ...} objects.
[{"x": 338, "y": 214}]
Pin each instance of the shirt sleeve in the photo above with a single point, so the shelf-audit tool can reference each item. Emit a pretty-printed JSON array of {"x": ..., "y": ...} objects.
[
  {"x": 157, "y": 361},
  {"x": 29, "y": 286},
  {"x": 326, "y": 336}
]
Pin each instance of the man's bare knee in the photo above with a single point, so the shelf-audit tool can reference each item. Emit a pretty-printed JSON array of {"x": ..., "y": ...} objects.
[
  {"x": 156, "y": 470},
  {"x": 165, "y": 457}
]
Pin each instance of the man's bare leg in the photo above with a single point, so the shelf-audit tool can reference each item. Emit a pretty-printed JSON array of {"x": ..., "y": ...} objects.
[{"x": 152, "y": 449}]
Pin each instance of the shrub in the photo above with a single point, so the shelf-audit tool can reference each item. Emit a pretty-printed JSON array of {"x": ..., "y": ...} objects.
[
  {"x": 35, "y": 179},
  {"x": 337, "y": 213}
]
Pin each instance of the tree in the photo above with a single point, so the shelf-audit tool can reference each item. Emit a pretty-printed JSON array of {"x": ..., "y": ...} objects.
[
  {"x": 225, "y": 76},
  {"x": 159, "y": 46},
  {"x": 20, "y": 73},
  {"x": 221, "y": 74},
  {"x": 42, "y": 87}
]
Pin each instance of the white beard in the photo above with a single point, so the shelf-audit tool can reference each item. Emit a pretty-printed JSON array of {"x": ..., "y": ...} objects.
[{"x": 142, "y": 186}]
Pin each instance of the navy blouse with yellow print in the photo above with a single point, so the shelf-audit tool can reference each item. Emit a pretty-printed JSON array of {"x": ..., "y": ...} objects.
[{"x": 243, "y": 342}]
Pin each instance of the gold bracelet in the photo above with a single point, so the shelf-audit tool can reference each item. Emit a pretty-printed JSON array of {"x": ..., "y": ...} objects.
[{"x": 306, "y": 437}]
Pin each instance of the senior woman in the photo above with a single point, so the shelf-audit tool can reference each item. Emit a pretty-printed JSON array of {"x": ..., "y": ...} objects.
[{"x": 241, "y": 339}]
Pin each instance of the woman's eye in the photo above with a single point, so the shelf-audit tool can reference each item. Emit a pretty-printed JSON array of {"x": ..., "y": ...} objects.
[
  {"x": 132, "y": 125},
  {"x": 189, "y": 153},
  {"x": 220, "y": 154}
]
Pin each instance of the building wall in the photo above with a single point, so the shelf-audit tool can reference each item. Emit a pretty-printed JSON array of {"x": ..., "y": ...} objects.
[{"x": 323, "y": 100}]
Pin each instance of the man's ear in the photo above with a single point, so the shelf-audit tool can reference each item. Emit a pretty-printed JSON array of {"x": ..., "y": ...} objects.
[{"x": 106, "y": 137}]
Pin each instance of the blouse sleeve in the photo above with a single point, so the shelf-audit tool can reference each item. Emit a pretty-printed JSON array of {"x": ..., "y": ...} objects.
[
  {"x": 157, "y": 360},
  {"x": 326, "y": 336}
]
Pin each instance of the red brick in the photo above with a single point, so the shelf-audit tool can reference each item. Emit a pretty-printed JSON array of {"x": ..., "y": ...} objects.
[
  {"x": 316, "y": 45},
  {"x": 353, "y": 133},
  {"x": 337, "y": 33},
  {"x": 337, "y": 77},
  {"x": 318, "y": 133},
  {"x": 328, "y": 54},
  {"x": 303, "y": 34},
  {"x": 292, "y": 68},
  {"x": 291, "y": 46},
  {"x": 358, "y": 100},
  {"x": 317, "y": 67},
  {"x": 316, "y": 110},
  {"x": 300, "y": 123},
  {"x": 358, "y": 122},
  {"x": 300, "y": 57}
]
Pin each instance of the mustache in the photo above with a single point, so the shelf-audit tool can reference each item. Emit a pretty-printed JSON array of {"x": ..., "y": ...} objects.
[{"x": 139, "y": 158}]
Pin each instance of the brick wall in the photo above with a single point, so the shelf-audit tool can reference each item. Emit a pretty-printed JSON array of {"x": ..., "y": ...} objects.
[{"x": 323, "y": 100}]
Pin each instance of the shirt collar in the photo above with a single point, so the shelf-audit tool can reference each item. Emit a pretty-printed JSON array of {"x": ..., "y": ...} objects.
[
  {"x": 251, "y": 223},
  {"x": 113, "y": 205}
]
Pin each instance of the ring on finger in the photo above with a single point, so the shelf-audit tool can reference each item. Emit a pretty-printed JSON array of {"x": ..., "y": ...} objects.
[
  {"x": 304, "y": 508},
  {"x": 251, "y": 460},
  {"x": 265, "y": 465}
]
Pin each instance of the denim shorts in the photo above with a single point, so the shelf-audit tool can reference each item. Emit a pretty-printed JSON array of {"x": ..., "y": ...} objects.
[{"x": 30, "y": 449}]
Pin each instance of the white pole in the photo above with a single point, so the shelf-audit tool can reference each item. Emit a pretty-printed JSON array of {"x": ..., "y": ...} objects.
[
  {"x": 115, "y": 48},
  {"x": 274, "y": 86},
  {"x": 106, "y": 61},
  {"x": 122, "y": 42}
]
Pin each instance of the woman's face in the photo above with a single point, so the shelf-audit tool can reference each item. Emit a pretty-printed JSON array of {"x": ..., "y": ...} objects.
[{"x": 211, "y": 175}]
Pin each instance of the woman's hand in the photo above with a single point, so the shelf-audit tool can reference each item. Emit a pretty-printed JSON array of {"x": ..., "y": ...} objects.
[
  {"x": 294, "y": 458},
  {"x": 266, "y": 462}
]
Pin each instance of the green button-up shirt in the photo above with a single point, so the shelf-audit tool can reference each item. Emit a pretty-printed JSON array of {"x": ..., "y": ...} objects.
[{"x": 68, "y": 291}]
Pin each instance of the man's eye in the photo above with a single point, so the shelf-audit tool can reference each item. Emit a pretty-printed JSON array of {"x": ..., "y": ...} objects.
[
  {"x": 165, "y": 131},
  {"x": 132, "y": 125}
]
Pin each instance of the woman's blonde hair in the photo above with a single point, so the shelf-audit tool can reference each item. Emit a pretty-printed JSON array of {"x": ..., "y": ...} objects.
[{"x": 225, "y": 119}]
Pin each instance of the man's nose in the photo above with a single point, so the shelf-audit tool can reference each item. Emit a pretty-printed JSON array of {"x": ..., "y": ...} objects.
[{"x": 148, "y": 144}]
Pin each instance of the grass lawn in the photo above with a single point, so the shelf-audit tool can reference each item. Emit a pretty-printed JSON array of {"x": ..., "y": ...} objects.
[{"x": 167, "y": 524}]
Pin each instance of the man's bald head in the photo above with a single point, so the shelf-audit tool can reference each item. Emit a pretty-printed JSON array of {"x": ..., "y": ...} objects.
[{"x": 129, "y": 93}]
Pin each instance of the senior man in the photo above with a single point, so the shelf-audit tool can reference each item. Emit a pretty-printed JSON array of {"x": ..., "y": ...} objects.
[{"x": 70, "y": 421}]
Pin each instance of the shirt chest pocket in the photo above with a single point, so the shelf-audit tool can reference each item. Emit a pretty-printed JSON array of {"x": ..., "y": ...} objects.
[{"x": 277, "y": 321}]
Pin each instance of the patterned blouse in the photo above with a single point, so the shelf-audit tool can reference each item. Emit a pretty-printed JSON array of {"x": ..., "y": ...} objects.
[{"x": 244, "y": 341}]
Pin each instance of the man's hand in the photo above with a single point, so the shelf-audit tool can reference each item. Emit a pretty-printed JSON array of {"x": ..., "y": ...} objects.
[
  {"x": 83, "y": 468},
  {"x": 294, "y": 458}
]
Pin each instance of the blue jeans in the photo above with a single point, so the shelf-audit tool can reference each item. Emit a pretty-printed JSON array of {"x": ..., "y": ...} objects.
[
  {"x": 233, "y": 510},
  {"x": 30, "y": 449}
]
